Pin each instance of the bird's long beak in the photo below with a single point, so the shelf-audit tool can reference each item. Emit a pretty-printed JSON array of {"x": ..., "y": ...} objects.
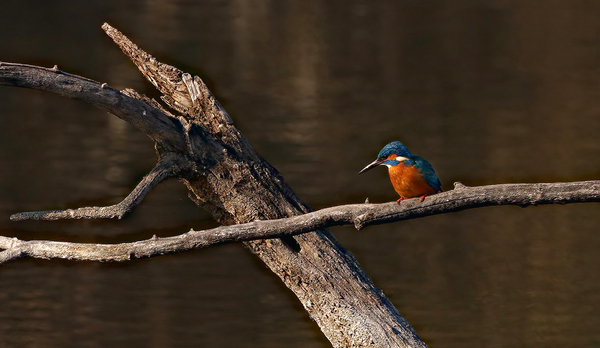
[{"x": 373, "y": 164}]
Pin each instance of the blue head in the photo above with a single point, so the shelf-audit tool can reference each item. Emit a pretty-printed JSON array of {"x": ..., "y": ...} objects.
[
  {"x": 396, "y": 148},
  {"x": 385, "y": 157}
]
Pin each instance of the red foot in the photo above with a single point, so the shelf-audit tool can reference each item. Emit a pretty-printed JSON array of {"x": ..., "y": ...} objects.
[
  {"x": 400, "y": 200},
  {"x": 422, "y": 198}
]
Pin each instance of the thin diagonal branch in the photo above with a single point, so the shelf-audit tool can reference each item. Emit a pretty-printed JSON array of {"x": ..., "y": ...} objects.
[
  {"x": 152, "y": 121},
  {"x": 169, "y": 166},
  {"x": 359, "y": 215}
]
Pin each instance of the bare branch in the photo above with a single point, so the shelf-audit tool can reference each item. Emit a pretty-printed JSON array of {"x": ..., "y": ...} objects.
[
  {"x": 465, "y": 197},
  {"x": 169, "y": 166},
  {"x": 359, "y": 215},
  {"x": 154, "y": 122}
]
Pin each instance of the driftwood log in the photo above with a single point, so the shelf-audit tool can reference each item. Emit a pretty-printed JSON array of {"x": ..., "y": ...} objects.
[
  {"x": 197, "y": 142},
  {"x": 229, "y": 179}
]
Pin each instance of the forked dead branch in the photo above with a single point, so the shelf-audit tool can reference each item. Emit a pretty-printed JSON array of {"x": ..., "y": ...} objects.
[{"x": 197, "y": 142}]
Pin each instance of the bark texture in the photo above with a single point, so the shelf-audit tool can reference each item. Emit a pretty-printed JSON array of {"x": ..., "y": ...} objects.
[{"x": 230, "y": 180}]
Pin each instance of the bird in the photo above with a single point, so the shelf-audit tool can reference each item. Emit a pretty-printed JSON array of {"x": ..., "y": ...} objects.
[{"x": 411, "y": 175}]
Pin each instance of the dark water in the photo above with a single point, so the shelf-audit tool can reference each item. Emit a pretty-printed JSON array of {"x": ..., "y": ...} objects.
[{"x": 488, "y": 91}]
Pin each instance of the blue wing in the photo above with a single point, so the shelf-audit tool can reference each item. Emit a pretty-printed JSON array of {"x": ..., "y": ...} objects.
[{"x": 428, "y": 173}]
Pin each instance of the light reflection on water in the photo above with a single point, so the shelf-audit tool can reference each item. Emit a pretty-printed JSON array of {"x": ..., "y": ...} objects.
[{"x": 489, "y": 92}]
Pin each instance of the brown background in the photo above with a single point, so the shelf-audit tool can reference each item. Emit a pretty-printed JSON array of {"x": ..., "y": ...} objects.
[{"x": 488, "y": 91}]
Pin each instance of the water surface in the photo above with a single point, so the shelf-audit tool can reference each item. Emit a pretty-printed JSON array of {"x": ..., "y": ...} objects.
[{"x": 488, "y": 91}]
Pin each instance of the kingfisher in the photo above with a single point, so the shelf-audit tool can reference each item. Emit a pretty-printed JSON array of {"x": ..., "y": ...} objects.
[{"x": 411, "y": 175}]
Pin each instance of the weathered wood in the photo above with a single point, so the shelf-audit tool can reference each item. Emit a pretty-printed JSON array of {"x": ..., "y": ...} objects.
[{"x": 237, "y": 186}]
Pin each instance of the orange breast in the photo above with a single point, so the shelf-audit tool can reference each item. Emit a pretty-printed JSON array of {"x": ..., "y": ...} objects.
[{"x": 409, "y": 182}]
